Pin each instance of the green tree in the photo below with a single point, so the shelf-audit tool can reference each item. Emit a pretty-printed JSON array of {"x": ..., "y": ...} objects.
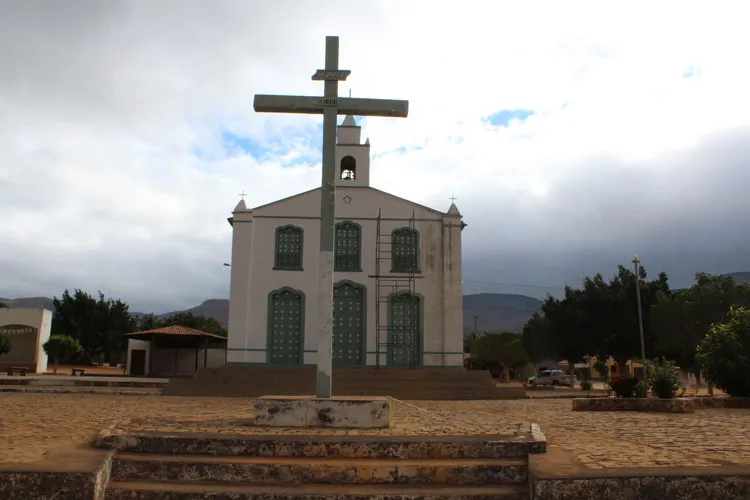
[
  {"x": 3, "y": 304},
  {"x": 61, "y": 347},
  {"x": 147, "y": 322},
  {"x": 469, "y": 339},
  {"x": 202, "y": 323},
  {"x": 682, "y": 319},
  {"x": 503, "y": 349},
  {"x": 98, "y": 324},
  {"x": 537, "y": 341},
  {"x": 724, "y": 354},
  {"x": 5, "y": 345}
]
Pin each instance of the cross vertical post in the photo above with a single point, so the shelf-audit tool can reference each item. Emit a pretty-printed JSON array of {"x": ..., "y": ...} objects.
[
  {"x": 330, "y": 106},
  {"x": 327, "y": 223}
]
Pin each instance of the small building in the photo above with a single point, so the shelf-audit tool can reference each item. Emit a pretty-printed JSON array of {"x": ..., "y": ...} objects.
[
  {"x": 28, "y": 330},
  {"x": 173, "y": 351}
]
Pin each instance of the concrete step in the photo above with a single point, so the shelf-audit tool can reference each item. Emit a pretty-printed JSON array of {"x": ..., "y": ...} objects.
[
  {"x": 329, "y": 470},
  {"x": 168, "y": 490},
  {"x": 337, "y": 446}
]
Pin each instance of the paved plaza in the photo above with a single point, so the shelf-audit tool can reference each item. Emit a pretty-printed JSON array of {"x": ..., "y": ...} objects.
[{"x": 34, "y": 426}]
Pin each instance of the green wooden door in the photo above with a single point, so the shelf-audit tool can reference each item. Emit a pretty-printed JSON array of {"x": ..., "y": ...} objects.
[
  {"x": 404, "y": 331},
  {"x": 286, "y": 328},
  {"x": 348, "y": 325}
]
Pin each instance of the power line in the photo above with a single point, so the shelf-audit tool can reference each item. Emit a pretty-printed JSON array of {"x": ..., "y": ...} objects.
[{"x": 495, "y": 283}]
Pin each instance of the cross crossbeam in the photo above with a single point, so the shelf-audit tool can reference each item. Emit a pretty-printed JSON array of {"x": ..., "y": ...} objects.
[{"x": 330, "y": 105}]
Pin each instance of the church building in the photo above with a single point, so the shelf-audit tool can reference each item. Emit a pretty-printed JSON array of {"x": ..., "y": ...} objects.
[{"x": 397, "y": 276}]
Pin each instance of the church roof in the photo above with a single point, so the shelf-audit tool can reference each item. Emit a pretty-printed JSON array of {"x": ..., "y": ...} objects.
[
  {"x": 453, "y": 210},
  {"x": 349, "y": 121}
]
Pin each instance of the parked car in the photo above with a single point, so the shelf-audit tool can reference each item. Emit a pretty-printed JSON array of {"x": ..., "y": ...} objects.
[{"x": 552, "y": 377}]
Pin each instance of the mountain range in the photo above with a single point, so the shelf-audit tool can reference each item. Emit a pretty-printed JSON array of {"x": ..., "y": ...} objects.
[{"x": 489, "y": 312}]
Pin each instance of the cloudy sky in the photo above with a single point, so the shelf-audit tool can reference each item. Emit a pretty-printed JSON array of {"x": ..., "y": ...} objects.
[{"x": 574, "y": 134}]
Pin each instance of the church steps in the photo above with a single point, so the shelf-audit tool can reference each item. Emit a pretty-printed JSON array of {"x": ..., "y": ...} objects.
[
  {"x": 326, "y": 470},
  {"x": 417, "y": 384},
  {"x": 164, "y": 490},
  {"x": 330, "y": 446}
]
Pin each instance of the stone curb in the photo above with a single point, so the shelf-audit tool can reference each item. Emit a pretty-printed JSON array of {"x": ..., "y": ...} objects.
[
  {"x": 73, "y": 390},
  {"x": 676, "y": 405}
]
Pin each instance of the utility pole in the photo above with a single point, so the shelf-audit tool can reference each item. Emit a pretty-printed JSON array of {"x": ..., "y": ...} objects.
[{"x": 637, "y": 265}]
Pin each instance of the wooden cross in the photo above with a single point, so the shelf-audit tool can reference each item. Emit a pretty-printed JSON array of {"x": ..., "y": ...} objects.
[
  {"x": 242, "y": 194},
  {"x": 330, "y": 106},
  {"x": 453, "y": 199}
]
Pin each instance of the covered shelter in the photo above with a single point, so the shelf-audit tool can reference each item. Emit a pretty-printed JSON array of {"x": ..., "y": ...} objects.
[{"x": 174, "y": 351}]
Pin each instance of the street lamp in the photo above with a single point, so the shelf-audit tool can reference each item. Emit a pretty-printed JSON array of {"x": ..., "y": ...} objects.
[{"x": 637, "y": 265}]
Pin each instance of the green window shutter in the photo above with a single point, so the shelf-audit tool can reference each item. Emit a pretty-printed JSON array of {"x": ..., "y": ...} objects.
[
  {"x": 405, "y": 250},
  {"x": 288, "y": 248},
  {"x": 347, "y": 250}
]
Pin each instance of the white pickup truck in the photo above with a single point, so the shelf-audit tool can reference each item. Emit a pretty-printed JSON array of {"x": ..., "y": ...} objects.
[{"x": 552, "y": 377}]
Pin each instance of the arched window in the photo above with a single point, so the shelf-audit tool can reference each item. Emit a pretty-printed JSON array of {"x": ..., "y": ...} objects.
[
  {"x": 288, "y": 248},
  {"x": 348, "y": 168},
  {"x": 347, "y": 251},
  {"x": 405, "y": 250}
]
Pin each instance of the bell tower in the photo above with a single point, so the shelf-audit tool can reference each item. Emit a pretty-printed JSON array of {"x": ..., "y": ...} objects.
[{"x": 352, "y": 158}]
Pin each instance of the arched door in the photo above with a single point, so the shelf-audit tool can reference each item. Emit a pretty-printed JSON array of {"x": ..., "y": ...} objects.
[
  {"x": 286, "y": 328},
  {"x": 348, "y": 324},
  {"x": 404, "y": 331}
]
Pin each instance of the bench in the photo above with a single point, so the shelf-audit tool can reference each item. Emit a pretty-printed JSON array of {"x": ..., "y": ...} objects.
[
  {"x": 74, "y": 370},
  {"x": 17, "y": 370}
]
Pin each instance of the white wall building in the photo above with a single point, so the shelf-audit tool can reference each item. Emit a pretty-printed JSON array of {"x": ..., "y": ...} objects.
[
  {"x": 411, "y": 316},
  {"x": 28, "y": 330}
]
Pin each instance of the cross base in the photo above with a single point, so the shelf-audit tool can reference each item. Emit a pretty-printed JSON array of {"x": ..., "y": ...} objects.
[{"x": 345, "y": 412}]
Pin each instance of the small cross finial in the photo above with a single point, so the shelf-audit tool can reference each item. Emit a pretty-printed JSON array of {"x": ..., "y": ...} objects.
[
  {"x": 242, "y": 194},
  {"x": 453, "y": 199}
]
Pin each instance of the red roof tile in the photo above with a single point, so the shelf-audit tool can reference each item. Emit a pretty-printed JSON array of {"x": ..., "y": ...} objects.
[{"x": 176, "y": 330}]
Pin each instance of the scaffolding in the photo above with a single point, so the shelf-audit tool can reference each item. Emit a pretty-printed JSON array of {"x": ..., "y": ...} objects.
[{"x": 397, "y": 339}]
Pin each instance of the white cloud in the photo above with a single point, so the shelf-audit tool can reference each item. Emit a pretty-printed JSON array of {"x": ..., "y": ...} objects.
[{"x": 114, "y": 176}]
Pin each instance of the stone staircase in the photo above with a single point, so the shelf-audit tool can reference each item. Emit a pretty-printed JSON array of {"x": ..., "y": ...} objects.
[
  {"x": 418, "y": 384},
  {"x": 274, "y": 467}
]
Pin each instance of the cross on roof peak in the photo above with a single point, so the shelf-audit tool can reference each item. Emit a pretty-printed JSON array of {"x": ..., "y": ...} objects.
[
  {"x": 242, "y": 194},
  {"x": 453, "y": 199}
]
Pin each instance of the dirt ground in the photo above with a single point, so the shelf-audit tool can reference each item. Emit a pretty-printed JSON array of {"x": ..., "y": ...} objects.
[{"x": 33, "y": 426}]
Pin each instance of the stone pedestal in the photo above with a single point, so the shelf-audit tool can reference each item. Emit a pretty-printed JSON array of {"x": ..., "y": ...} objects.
[{"x": 309, "y": 411}]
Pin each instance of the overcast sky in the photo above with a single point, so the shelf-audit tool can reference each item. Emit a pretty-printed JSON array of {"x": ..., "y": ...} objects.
[{"x": 573, "y": 134}]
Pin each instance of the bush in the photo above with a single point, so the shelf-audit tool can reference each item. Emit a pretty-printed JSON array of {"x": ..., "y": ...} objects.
[
  {"x": 60, "y": 347},
  {"x": 664, "y": 378},
  {"x": 624, "y": 387},
  {"x": 586, "y": 385},
  {"x": 724, "y": 355}
]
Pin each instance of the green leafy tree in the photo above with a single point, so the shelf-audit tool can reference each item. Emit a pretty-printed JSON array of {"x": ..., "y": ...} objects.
[
  {"x": 499, "y": 349},
  {"x": 202, "y": 323},
  {"x": 147, "y": 322},
  {"x": 537, "y": 341},
  {"x": 3, "y": 304},
  {"x": 98, "y": 324},
  {"x": 61, "y": 347},
  {"x": 682, "y": 319},
  {"x": 724, "y": 354},
  {"x": 5, "y": 345}
]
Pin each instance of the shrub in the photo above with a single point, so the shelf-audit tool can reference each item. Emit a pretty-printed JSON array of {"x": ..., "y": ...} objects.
[
  {"x": 586, "y": 385},
  {"x": 663, "y": 378},
  {"x": 724, "y": 355},
  {"x": 60, "y": 347},
  {"x": 624, "y": 387}
]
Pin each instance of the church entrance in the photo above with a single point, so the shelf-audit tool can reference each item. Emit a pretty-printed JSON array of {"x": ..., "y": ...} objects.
[
  {"x": 404, "y": 331},
  {"x": 348, "y": 324},
  {"x": 286, "y": 328}
]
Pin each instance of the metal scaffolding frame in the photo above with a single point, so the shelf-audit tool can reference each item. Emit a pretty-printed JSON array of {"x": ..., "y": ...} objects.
[{"x": 389, "y": 338}]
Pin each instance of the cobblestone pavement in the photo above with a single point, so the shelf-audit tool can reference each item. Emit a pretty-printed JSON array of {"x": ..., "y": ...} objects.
[
  {"x": 35, "y": 425},
  {"x": 625, "y": 439}
]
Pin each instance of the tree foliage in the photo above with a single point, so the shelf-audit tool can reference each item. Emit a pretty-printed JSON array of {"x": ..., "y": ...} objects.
[
  {"x": 724, "y": 354},
  {"x": 505, "y": 349},
  {"x": 61, "y": 347},
  {"x": 98, "y": 325},
  {"x": 5, "y": 345},
  {"x": 202, "y": 323},
  {"x": 683, "y": 319},
  {"x": 536, "y": 339}
]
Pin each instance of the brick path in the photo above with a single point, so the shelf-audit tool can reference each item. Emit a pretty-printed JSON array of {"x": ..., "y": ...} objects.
[{"x": 34, "y": 425}]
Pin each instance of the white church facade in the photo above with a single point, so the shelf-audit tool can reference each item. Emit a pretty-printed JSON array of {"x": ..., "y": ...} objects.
[{"x": 397, "y": 276}]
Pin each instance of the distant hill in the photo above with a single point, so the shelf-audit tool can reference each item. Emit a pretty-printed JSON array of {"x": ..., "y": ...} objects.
[
  {"x": 30, "y": 302},
  {"x": 210, "y": 308},
  {"x": 498, "y": 312},
  {"x": 740, "y": 277}
]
